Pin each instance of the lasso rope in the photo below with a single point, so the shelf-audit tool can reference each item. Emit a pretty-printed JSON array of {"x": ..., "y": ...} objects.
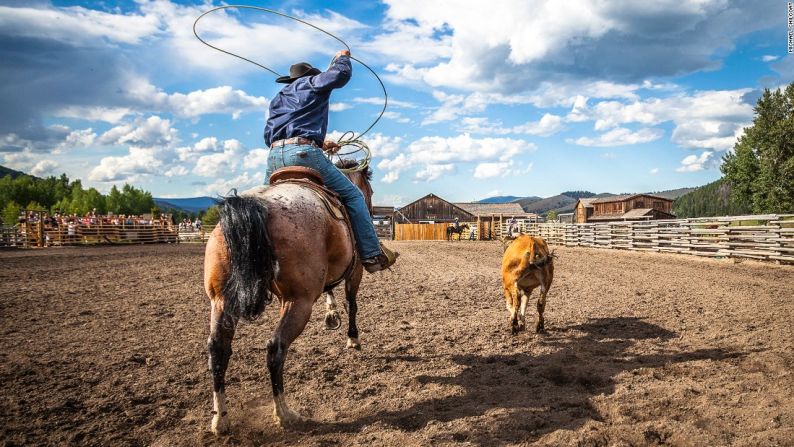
[{"x": 355, "y": 141}]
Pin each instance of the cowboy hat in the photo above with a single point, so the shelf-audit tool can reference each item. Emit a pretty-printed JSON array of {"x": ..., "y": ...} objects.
[{"x": 298, "y": 71}]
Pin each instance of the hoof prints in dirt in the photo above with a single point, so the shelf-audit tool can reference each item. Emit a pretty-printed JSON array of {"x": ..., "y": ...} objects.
[{"x": 640, "y": 349}]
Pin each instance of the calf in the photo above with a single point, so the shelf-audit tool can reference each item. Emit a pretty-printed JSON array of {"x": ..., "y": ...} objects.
[{"x": 526, "y": 264}]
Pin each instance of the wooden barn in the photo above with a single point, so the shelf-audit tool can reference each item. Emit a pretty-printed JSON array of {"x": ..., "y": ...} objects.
[
  {"x": 432, "y": 209},
  {"x": 506, "y": 210},
  {"x": 623, "y": 207}
]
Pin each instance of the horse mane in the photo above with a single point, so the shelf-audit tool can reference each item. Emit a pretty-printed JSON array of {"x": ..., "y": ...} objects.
[{"x": 348, "y": 163}]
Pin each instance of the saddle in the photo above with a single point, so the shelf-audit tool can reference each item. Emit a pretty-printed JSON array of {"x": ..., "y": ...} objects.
[{"x": 311, "y": 179}]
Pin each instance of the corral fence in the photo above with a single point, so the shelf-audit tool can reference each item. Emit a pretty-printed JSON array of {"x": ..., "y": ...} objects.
[
  {"x": 36, "y": 234},
  {"x": 767, "y": 237}
]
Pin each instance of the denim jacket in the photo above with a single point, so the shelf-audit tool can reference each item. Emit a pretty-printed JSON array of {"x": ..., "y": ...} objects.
[{"x": 300, "y": 109}]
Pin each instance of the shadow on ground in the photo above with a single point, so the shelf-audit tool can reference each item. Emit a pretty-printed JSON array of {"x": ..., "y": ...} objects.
[{"x": 527, "y": 396}]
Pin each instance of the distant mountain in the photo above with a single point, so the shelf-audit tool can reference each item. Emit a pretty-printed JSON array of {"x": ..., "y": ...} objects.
[
  {"x": 4, "y": 171},
  {"x": 190, "y": 205},
  {"x": 504, "y": 199},
  {"x": 673, "y": 193},
  {"x": 559, "y": 203},
  {"x": 578, "y": 194},
  {"x": 713, "y": 199}
]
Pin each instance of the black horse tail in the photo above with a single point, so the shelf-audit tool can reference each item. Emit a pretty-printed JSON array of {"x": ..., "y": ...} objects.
[{"x": 243, "y": 223}]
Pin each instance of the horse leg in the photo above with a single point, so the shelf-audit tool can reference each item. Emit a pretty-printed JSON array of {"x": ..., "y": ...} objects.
[
  {"x": 351, "y": 291},
  {"x": 294, "y": 316},
  {"x": 220, "y": 350},
  {"x": 332, "y": 319}
]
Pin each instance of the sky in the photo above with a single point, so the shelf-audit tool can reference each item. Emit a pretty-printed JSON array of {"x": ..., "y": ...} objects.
[{"x": 510, "y": 97}]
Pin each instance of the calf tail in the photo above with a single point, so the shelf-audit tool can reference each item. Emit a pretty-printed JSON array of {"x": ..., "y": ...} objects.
[{"x": 243, "y": 222}]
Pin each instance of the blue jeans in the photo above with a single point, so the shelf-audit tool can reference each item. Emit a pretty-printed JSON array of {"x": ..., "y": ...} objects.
[{"x": 313, "y": 157}]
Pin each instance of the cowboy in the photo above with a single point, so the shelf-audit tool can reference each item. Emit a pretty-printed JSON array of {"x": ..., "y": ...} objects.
[{"x": 295, "y": 133}]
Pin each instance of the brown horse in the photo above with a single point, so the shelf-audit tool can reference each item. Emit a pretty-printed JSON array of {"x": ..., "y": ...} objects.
[{"x": 276, "y": 241}]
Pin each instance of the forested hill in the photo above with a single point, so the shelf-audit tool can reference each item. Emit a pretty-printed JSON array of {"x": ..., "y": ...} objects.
[
  {"x": 713, "y": 199},
  {"x": 4, "y": 171}
]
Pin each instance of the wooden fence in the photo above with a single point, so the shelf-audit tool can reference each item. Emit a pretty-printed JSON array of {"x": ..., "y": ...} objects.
[
  {"x": 421, "y": 232},
  {"x": 769, "y": 237},
  {"x": 35, "y": 235}
]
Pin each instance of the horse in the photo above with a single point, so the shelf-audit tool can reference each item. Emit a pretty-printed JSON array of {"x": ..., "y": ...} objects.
[
  {"x": 283, "y": 242},
  {"x": 459, "y": 230}
]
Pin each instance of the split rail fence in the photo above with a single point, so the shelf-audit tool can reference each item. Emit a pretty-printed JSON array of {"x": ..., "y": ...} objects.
[{"x": 767, "y": 237}]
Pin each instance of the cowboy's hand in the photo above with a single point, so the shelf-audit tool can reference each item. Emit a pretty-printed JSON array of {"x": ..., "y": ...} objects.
[
  {"x": 342, "y": 53},
  {"x": 331, "y": 147}
]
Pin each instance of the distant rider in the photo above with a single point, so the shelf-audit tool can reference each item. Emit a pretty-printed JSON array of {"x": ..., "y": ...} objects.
[{"x": 295, "y": 133}]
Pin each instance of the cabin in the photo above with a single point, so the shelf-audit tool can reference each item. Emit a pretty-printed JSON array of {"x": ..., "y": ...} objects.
[
  {"x": 622, "y": 208},
  {"x": 432, "y": 209}
]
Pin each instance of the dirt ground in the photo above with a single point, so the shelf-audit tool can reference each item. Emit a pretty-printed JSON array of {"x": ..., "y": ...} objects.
[{"x": 107, "y": 346}]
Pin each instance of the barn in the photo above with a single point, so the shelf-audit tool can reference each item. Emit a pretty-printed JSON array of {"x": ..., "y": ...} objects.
[
  {"x": 432, "y": 209},
  {"x": 622, "y": 208}
]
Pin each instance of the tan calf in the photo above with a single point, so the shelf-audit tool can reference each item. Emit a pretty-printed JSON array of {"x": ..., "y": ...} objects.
[{"x": 526, "y": 264}]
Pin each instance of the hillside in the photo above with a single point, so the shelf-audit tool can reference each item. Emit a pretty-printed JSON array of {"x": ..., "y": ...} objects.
[
  {"x": 712, "y": 199},
  {"x": 559, "y": 203},
  {"x": 502, "y": 199},
  {"x": 190, "y": 205},
  {"x": 4, "y": 171},
  {"x": 673, "y": 193}
]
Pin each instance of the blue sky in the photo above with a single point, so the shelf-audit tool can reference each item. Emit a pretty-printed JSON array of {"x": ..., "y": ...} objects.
[{"x": 513, "y": 97}]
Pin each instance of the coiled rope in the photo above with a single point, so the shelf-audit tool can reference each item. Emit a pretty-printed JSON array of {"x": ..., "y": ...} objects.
[{"x": 360, "y": 147}]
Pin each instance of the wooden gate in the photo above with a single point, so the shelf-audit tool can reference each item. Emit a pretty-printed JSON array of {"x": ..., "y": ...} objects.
[{"x": 420, "y": 232}]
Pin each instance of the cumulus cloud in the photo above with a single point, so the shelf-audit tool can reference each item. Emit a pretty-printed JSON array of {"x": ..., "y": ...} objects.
[
  {"x": 514, "y": 45},
  {"x": 499, "y": 169},
  {"x": 255, "y": 158},
  {"x": 694, "y": 163},
  {"x": 619, "y": 137},
  {"x": 222, "y": 186},
  {"x": 217, "y": 164},
  {"x": 339, "y": 106},
  {"x": 436, "y": 156},
  {"x": 44, "y": 168},
  {"x": 149, "y": 132},
  {"x": 138, "y": 162}
]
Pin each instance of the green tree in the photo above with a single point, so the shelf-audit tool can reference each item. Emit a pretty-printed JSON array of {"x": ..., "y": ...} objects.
[
  {"x": 11, "y": 213},
  {"x": 551, "y": 216},
  {"x": 211, "y": 217},
  {"x": 760, "y": 171}
]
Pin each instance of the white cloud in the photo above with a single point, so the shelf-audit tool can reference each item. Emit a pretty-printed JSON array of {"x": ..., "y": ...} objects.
[
  {"x": 222, "y": 186},
  {"x": 433, "y": 154},
  {"x": 654, "y": 171},
  {"x": 21, "y": 161},
  {"x": 380, "y": 145},
  {"x": 499, "y": 169},
  {"x": 217, "y": 164},
  {"x": 77, "y": 25},
  {"x": 769, "y": 58},
  {"x": 433, "y": 172},
  {"x": 150, "y": 132},
  {"x": 392, "y": 102},
  {"x": 619, "y": 137},
  {"x": 339, "y": 106},
  {"x": 76, "y": 138},
  {"x": 44, "y": 167},
  {"x": 548, "y": 125},
  {"x": 255, "y": 158},
  {"x": 138, "y": 162},
  {"x": 396, "y": 116},
  {"x": 694, "y": 163},
  {"x": 515, "y": 45}
]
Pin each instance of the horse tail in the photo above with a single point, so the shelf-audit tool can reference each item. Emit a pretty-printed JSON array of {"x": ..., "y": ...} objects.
[{"x": 243, "y": 222}]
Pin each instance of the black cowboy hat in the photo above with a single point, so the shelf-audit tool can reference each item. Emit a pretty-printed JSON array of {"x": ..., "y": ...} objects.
[{"x": 298, "y": 71}]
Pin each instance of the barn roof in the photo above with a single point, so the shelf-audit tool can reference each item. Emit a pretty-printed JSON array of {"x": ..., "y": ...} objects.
[
  {"x": 479, "y": 209},
  {"x": 588, "y": 203},
  {"x": 454, "y": 205},
  {"x": 624, "y": 197}
]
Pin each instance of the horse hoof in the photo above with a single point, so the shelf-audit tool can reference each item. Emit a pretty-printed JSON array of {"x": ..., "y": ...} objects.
[
  {"x": 287, "y": 419},
  {"x": 540, "y": 329},
  {"x": 333, "y": 321},
  {"x": 353, "y": 343},
  {"x": 220, "y": 425}
]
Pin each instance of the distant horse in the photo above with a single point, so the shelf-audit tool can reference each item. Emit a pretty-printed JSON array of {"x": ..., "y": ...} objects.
[
  {"x": 459, "y": 231},
  {"x": 280, "y": 241}
]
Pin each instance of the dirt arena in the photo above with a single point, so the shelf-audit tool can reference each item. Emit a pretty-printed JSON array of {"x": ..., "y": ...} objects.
[{"x": 107, "y": 346}]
